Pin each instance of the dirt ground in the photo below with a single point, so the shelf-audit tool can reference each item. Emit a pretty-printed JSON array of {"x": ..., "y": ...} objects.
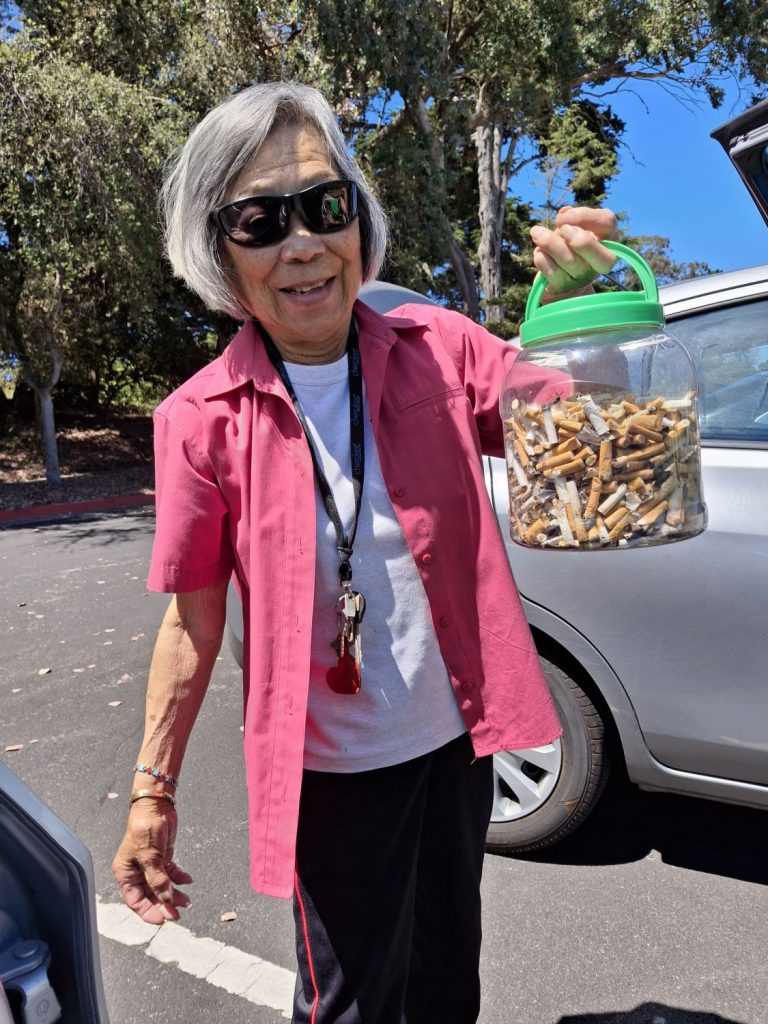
[{"x": 97, "y": 459}]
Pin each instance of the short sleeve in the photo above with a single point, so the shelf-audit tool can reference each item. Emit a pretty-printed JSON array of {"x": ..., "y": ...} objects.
[
  {"x": 192, "y": 547},
  {"x": 483, "y": 361}
]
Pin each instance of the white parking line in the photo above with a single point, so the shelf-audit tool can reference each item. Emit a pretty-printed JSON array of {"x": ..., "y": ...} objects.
[{"x": 227, "y": 967}]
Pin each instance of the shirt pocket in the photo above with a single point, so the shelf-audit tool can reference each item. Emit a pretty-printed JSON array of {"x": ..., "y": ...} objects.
[{"x": 447, "y": 391}]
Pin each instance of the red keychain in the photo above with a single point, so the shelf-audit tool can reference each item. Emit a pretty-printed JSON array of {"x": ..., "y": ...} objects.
[{"x": 345, "y": 676}]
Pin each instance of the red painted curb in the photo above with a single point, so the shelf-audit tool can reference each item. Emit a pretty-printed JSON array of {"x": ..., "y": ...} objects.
[{"x": 21, "y": 515}]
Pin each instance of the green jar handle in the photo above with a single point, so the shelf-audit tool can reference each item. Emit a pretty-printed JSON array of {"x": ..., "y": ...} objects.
[{"x": 634, "y": 259}]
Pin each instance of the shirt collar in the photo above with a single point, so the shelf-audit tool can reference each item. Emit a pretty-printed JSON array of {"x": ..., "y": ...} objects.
[{"x": 245, "y": 358}]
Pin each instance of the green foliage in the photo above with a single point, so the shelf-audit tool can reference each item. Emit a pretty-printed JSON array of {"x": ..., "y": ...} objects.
[{"x": 655, "y": 250}]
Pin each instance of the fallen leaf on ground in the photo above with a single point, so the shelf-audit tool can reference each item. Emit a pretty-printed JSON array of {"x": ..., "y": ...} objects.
[
  {"x": 115, "y": 703},
  {"x": 229, "y": 916},
  {"x": 43, "y": 671},
  {"x": 13, "y": 747}
]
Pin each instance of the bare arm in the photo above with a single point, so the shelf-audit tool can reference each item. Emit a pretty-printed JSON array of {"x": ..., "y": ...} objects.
[{"x": 185, "y": 653}]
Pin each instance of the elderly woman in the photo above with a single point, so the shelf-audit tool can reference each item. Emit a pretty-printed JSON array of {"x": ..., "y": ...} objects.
[{"x": 330, "y": 460}]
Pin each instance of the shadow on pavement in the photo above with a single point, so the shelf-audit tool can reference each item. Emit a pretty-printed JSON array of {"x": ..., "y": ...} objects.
[
  {"x": 106, "y": 527},
  {"x": 700, "y": 835},
  {"x": 650, "y": 1013}
]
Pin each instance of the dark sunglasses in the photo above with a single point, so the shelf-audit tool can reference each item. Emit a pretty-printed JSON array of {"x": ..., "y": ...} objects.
[{"x": 264, "y": 220}]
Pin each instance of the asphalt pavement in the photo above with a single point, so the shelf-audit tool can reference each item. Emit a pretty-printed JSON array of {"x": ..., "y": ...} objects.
[{"x": 653, "y": 913}]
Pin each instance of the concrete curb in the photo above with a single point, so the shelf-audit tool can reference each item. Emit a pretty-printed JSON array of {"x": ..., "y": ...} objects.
[{"x": 12, "y": 517}]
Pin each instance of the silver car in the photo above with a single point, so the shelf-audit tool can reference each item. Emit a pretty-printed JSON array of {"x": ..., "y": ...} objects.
[{"x": 656, "y": 656}]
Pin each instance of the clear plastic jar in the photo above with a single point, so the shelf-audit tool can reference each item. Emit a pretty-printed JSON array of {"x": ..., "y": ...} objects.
[{"x": 601, "y": 424}]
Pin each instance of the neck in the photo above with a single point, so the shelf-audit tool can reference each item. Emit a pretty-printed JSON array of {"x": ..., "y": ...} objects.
[{"x": 311, "y": 355}]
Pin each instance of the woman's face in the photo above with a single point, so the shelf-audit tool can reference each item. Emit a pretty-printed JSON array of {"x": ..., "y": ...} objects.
[{"x": 302, "y": 288}]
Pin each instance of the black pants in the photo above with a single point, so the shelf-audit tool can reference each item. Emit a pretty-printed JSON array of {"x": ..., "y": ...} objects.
[{"x": 387, "y": 899}]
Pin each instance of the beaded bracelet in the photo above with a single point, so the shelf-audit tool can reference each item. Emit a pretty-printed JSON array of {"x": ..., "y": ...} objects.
[{"x": 156, "y": 774}]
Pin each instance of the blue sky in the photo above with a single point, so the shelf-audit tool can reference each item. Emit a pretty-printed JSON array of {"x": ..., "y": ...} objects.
[{"x": 676, "y": 181}]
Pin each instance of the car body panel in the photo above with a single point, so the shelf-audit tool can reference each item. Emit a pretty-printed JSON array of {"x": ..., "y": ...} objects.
[
  {"x": 714, "y": 290},
  {"x": 53, "y": 898},
  {"x": 698, "y": 686},
  {"x": 643, "y": 769}
]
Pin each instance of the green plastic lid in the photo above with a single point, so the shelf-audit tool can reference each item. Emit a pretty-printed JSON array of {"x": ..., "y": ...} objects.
[{"x": 594, "y": 312}]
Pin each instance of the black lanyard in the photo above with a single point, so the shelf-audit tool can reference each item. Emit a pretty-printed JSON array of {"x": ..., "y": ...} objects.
[{"x": 357, "y": 444}]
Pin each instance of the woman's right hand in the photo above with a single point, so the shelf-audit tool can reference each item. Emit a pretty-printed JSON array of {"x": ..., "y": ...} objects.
[{"x": 144, "y": 865}]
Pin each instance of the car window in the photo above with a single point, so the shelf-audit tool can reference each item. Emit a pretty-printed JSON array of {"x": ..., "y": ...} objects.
[{"x": 729, "y": 347}]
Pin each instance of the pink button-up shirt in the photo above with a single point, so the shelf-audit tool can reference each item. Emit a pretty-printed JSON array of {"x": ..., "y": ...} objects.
[{"x": 235, "y": 493}]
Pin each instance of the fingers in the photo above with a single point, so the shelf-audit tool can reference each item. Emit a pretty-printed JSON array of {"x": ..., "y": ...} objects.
[
  {"x": 157, "y": 878},
  {"x": 601, "y": 221},
  {"x": 178, "y": 875},
  {"x": 151, "y": 906},
  {"x": 571, "y": 256},
  {"x": 148, "y": 882},
  {"x": 139, "y": 899}
]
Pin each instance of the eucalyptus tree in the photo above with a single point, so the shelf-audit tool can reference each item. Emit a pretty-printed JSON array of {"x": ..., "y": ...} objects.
[{"x": 498, "y": 85}]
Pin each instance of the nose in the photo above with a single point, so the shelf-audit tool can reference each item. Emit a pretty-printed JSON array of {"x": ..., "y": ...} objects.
[{"x": 301, "y": 243}]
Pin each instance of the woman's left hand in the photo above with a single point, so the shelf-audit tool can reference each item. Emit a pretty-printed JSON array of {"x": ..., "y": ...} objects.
[{"x": 571, "y": 256}]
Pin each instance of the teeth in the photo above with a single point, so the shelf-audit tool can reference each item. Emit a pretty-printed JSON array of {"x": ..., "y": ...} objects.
[{"x": 309, "y": 288}]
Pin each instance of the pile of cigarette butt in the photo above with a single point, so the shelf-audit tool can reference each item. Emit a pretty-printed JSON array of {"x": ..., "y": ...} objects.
[{"x": 617, "y": 474}]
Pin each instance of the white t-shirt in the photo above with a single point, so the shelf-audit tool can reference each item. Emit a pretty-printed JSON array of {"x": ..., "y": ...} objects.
[{"x": 406, "y": 706}]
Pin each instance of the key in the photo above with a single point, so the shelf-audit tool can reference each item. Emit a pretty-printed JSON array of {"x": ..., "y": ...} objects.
[
  {"x": 352, "y": 609},
  {"x": 355, "y": 644},
  {"x": 344, "y": 677},
  {"x": 349, "y": 615}
]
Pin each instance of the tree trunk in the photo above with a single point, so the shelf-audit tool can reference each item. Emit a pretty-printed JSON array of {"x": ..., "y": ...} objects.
[
  {"x": 492, "y": 188},
  {"x": 462, "y": 268},
  {"x": 44, "y": 404},
  {"x": 465, "y": 275},
  {"x": 48, "y": 430}
]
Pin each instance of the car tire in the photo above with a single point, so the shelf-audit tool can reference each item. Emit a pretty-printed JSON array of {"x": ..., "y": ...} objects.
[{"x": 542, "y": 795}]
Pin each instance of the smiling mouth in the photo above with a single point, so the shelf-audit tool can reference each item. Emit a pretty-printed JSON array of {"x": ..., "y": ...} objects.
[{"x": 307, "y": 288}]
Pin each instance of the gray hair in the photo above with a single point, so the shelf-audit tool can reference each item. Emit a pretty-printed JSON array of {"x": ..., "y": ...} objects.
[{"x": 213, "y": 156}]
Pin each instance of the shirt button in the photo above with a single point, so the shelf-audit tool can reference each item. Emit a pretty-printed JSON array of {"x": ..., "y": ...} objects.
[
  {"x": 426, "y": 558},
  {"x": 445, "y": 622},
  {"x": 399, "y": 492},
  {"x": 467, "y": 687}
]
